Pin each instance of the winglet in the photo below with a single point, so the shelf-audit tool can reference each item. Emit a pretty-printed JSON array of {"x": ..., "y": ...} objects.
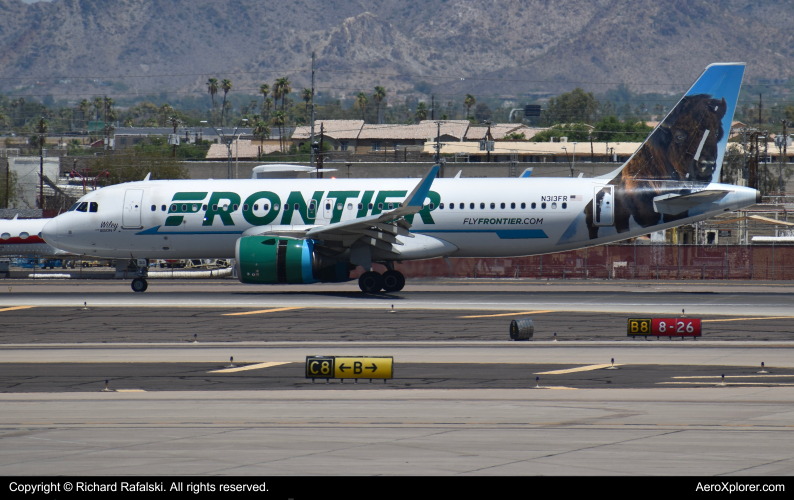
[
  {"x": 418, "y": 195},
  {"x": 147, "y": 177}
]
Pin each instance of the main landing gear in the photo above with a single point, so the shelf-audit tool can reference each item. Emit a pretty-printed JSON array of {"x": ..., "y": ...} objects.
[
  {"x": 390, "y": 281},
  {"x": 139, "y": 285}
]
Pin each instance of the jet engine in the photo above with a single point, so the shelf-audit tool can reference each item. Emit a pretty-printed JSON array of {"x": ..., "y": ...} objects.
[{"x": 279, "y": 259}]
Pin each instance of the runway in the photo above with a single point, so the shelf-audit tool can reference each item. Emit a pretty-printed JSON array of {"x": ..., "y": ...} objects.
[{"x": 464, "y": 399}]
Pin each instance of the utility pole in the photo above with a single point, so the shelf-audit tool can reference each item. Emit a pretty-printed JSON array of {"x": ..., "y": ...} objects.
[
  {"x": 311, "y": 138},
  {"x": 175, "y": 123},
  {"x": 42, "y": 132},
  {"x": 783, "y": 157},
  {"x": 437, "y": 156},
  {"x": 320, "y": 158},
  {"x": 760, "y": 107},
  {"x": 433, "y": 108},
  {"x": 488, "y": 137}
]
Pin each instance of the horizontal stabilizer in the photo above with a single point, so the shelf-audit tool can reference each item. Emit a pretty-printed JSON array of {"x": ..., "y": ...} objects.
[{"x": 674, "y": 204}]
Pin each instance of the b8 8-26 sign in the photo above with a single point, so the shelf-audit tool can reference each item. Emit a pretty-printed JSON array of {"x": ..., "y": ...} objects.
[{"x": 664, "y": 327}]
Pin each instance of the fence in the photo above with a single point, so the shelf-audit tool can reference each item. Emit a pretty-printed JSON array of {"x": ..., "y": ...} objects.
[{"x": 641, "y": 262}]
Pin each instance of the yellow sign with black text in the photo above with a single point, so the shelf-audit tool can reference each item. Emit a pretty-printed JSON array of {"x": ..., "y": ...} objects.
[
  {"x": 639, "y": 326},
  {"x": 366, "y": 367}
]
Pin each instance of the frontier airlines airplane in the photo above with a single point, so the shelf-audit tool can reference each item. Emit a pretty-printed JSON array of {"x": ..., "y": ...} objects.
[{"x": 318, "y": 230}]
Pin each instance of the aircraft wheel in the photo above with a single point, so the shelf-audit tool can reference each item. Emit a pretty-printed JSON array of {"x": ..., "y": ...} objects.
[
  {"x": 393, "y": 281},
  {"x": 139, "y": 285},
  {"x": 370, "y": 282}
]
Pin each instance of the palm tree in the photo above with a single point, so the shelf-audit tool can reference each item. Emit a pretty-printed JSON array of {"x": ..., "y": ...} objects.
[
  {"x": 226, "y": 86},
  {"x": 264, "y": 89},
  {"x": 266, "y": 107},
  {"x": 84, "y": 106},
  {"x": 469, "y": 101},
  {"x": 283, "y": 87},
  {"x": 306, "y": 95},
  {"x": 379, "y": 95},
  {"x": 361, "y": 103},
  {"x": 279, "y": 120},
  {"x": 212, "y": 88},
  {"x": 99, "y": 104},
  {"x": 253, "y": 105},
  {"x": 421, "y": 111},
  {"x": 128, "y": 122},
  {"x": 261, "y": 130}
]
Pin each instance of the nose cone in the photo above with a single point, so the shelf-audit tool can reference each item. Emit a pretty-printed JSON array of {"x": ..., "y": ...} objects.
[
  {"x": 50, "y": 232},
  {"x": 758, "y": 197}
]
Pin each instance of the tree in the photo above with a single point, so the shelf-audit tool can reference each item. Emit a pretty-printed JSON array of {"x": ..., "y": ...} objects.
[
  {"x": 226, "y": 86},
  {"x": 610, "y": 129},
  {"x": 421, "y": 112},
  {"x": 306, "y": 95},
  {"x": 361, "y": 103},
  {"x": 99, "y": 105},
  {"x": 279, "y": 120},
  {"x": 482, "y": 112},
  {"x": 165, "y": 112},
  {"x": 261, "y": 130},
  {"x": 281, "y": 89},
  {"x": 212, "y": 88},
  {"x": 266, "y": 107},
  {"x": 469, "y": 101},
  {"x": 264, "y": 89},
  {"x": 575, "y": 132},
  {"x": 84, "y": 106},
  {"x": 379, "y": 95},
  {"x": 576, "y": 106}
]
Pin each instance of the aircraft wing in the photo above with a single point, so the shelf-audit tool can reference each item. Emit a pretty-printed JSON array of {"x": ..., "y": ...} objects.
[
  {"x": 674, "y": 204},
  {"x": 376, "y": 230}
]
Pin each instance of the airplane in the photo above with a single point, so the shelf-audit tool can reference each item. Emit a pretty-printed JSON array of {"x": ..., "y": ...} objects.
[
  {"x": 23, "y": 237},
  {"x": 318, "y": 230}
]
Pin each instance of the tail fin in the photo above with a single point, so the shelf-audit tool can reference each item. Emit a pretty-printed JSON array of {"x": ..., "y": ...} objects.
[{"x": 689, "y": 144}]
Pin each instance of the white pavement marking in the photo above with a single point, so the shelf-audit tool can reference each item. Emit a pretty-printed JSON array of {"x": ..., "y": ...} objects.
[
  {"x": 250, "y": 367},
  {"x": 738, "y": 376},
  {"x": 578, "y": 369}
]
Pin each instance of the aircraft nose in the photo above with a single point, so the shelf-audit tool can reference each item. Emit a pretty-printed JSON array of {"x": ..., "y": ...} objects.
[{"x": 50, "y": 232}]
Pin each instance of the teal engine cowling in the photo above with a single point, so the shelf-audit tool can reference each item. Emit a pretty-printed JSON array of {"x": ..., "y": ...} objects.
[{"x": 279, "y": 259}]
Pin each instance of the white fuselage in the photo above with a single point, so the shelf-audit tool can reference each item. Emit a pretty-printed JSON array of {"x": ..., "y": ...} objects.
[
  {"x": 499, "y": 217},
  {"x": 23, "y": 237}
]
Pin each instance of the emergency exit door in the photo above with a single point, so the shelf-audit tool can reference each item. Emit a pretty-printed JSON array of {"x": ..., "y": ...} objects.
[
  {"x": 131, "y": 215},
  {"x": 603, "y": 206}
]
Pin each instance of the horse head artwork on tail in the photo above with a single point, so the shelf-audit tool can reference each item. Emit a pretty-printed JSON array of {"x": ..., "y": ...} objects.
[{"x": 682, "y": 155}]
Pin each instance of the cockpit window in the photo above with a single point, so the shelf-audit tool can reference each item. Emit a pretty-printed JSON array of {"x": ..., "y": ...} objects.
[
  {"x": 94, "y": 207},
  {"x": 83, "y": 207},
  {"x": 74, "y": 207}
]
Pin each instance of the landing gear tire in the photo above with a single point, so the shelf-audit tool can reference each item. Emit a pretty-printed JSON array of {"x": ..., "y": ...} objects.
[
  {"x": 139, "y": 285},
  {"x": 393, "y": 281},
  {"x": 370, "y": 282}
]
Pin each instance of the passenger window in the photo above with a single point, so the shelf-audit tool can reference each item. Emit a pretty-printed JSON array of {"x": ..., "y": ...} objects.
[
  {"x": 370, "y": 206},
  {"x": 471, "y": 206},
  {"x": 441, "y": 206},
  {"x": 339, "y": 206},
  {"x": 195, "y": 207},
  {"x": 154, "y": 208},
  {"x": 265, "y": 207},
  {"x": 493, "y": 205},
  {"x": 542, "y": 205},
  {"x": 162, "y": 207},
  {"x": 83, "y": 207},
  {"x": 523, "y": 205},
  {"x": 173, "y": 207},
  {"x": 312, "y": 205},
  {"x": 245, "y": 207},
  {"x": 74, "y": 207},
  {"x": 391, "y": 206},
  {"x": 451, "y": 206},
  {"x": 564, "y": 205},
  {"x": 534, "y": 205},
  {"x": 350, "y": 206},
  {"x": 380, "y": 206},
  {"x": 256, "y": 206},
  {"x": 297, "y": 207},
  {"x": 203, "y": 207},
  {"x": 554, "y": 204},
  {"x": 482, "y": 206},
  {"x": 432, "y": 206},
  {"x": 502, "y": 205},
  {"x": 184, "y": 208},
  {"x": 461, "y": 206},
  {"x": 234, "y": 208},
  {"x": 214, "y": 208},
  {"x": 360, "y": 206},
  {"x": 94, "y": 207},
  {"x": 512, "y": 205}
]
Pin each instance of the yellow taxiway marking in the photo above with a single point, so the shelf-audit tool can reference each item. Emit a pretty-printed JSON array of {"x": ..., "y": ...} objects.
[
  {"x": 504, "y": 314},
  {"x": 745, "y": 319},
  {"x": 129, "y": 390},
  {"x": 739, "y": 376},
  {"x": 558, "y": 388},
  {"x": 249, "y": 367},
  {"x": 579, "y": 369},
  {"x": 263, "y": 311},
  {"x": 17, "y": 308}
]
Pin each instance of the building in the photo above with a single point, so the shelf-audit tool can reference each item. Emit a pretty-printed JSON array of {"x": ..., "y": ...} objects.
[{"x": 544, "y": 152}]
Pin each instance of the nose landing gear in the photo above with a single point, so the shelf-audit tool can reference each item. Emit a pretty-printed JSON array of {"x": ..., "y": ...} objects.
[{"x": 139, "y": 285}]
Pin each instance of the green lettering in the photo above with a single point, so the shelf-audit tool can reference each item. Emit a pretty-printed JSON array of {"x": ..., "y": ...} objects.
[
  {"x": 365, "y": 203},
  {"x": 174, "y": 220},
  {"x": 296, "y": 198},
  {"x": 435, "y": 199},
  {"x": 272, "y": 213},
  {"x": 224, "y": 214},
  {"x": 381, "y": 200},
  {"x": 341, "y": 198}
]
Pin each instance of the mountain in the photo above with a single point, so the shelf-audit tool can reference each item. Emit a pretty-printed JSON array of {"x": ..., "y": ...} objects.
[{"x": 450, "y": 46}]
